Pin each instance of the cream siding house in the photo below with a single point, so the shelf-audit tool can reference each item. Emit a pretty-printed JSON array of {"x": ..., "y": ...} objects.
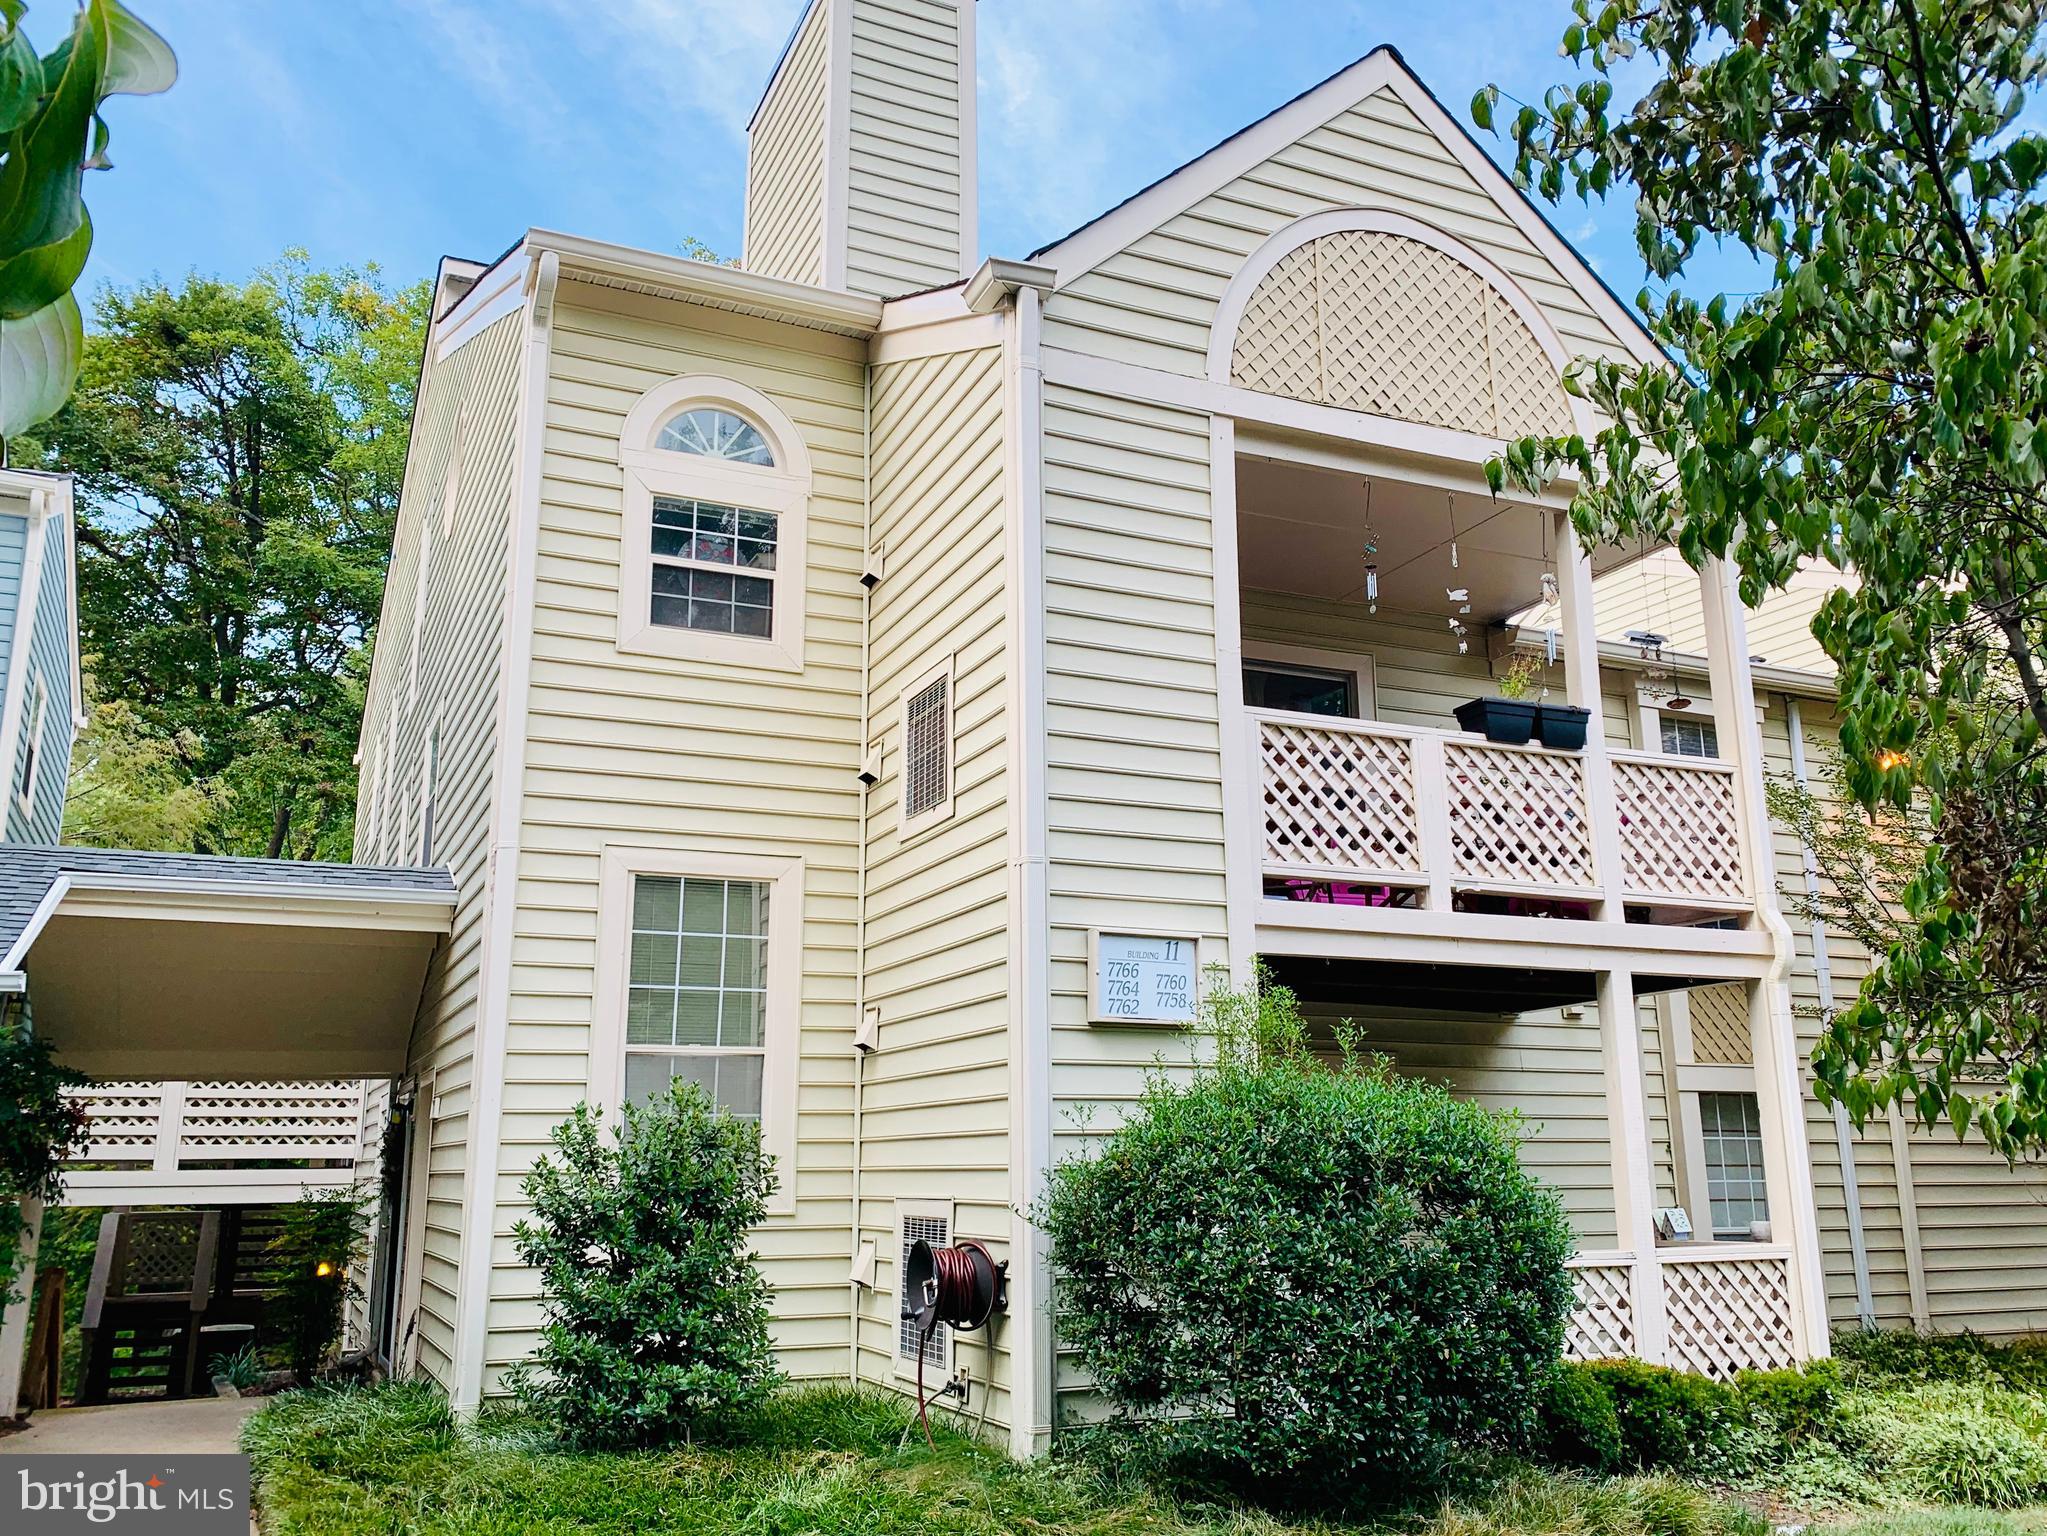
[{"x": 827, "y": 679}]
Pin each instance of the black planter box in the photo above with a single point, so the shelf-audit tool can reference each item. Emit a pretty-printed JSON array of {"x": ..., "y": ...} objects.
[
  {"x": 1562, "y": 726},
  {"x": 1509, "y": 721}
]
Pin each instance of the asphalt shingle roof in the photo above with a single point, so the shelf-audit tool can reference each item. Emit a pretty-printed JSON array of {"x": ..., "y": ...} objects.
[{"x": 27, "y": 871}]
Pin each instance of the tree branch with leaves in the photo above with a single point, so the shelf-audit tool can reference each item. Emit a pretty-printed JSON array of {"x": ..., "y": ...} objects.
[{"x": 1880, "y": 405}]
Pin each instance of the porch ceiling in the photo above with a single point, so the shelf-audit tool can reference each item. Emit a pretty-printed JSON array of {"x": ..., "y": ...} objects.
[
  {"x": 1301, "y": 527},
  {"x": 150, "y": 966}
]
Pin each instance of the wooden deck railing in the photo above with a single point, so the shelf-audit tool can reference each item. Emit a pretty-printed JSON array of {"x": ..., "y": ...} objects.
[
  {"x": 1441, "y": 812},
  {"x": 215, "y": 1141}
]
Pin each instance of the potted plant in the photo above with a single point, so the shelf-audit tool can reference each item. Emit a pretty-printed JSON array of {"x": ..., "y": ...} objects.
[{"x": 1508, "y": 717}]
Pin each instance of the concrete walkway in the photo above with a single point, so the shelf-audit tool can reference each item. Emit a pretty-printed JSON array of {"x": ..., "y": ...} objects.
[{"x": 194, "y": 1425}]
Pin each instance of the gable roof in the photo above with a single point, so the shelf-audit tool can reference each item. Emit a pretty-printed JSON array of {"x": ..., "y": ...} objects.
[{"x": 1383, "y": 68}]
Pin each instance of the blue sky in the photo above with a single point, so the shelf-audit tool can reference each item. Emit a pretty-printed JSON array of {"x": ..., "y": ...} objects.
[{"x": 399, "y": 130}]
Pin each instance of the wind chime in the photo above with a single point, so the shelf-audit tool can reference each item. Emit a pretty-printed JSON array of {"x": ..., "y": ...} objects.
[
  {"x": 1460, "y": 596},
  {"x": 1657, "y": 675},
  {"x": 1552, "y": 593},
  {"x": 1371, "y": 555}
]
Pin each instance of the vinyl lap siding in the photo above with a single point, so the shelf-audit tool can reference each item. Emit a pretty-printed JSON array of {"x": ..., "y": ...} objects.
[
  {"x": 1133, "y": 738},
  {"x": 906, "y": 157},
  {"x": 785, "y": 186},
  {"x": 1152, "y": 303},
  {"x": 935, "y": 1121},
  {"x": 656, "y": 752},
  {"x": 40, "y": 817},
  {"x": 461, "y": 654},
  {"x": 13, "y": 551}
]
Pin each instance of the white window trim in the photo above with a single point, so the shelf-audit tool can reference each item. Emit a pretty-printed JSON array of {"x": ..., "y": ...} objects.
[
  {"x": 31, "y": 768},
  {"x": 780, "y": 1037},
  {"x": 1359, "y": 667},
  {"x": 909, "y": 828},
  {"x": 784, "y": 490},
  {"x": 906, "y": 1365}
]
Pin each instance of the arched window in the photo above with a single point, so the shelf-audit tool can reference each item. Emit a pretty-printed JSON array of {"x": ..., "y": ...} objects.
[
  {"x": 712, "y": 433},
  {"x": 717, "y": 494}
]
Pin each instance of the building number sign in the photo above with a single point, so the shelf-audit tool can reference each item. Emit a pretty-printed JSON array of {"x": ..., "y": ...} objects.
[{"x": 1144, "y": 979}]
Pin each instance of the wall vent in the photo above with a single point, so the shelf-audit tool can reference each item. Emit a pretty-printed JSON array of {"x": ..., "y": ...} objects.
[
  {"x": 930, "y": 1220},
  {"x": 927, "y": 746}
]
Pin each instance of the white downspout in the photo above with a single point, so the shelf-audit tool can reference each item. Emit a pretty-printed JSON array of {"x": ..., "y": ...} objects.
[
  {"x": 1823, "y": 969},
  {"x": 854, "y": 1286}
]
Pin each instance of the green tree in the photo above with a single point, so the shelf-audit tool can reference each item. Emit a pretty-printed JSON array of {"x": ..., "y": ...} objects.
[
  {"x": 1881, "y": 404},
  {"x": 51, "y": 134},
  {"x": 239, "y": 450},
  {"x": 129, "y": 787}
]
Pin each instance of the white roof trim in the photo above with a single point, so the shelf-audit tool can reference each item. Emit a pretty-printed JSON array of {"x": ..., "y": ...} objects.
[
  {"x": 704, "y": 282},
  {"x": 274, "y": 901},
  {"x": 1381, "y": 69}
]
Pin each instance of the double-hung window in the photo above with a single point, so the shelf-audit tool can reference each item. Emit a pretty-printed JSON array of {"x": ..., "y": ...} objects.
[
  {"x": 717, "y": 490},
  {"x": 700, "y": 967},
  {"x": 698, "y": 1003},
  {"x": 1731, "y": 1125}
]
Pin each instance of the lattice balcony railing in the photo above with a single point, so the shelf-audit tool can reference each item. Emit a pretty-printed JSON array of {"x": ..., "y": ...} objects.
[
  {"x": 1340, "y": 800},
  {"x": 1679, "y": 829},
  {"x": 1519, "y": 818},
  {"x": 1359, "y": 802}
]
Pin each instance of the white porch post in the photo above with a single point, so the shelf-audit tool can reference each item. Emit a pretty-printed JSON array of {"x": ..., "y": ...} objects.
[
  {"x": 1634, "y": 1172},
  {"x": 14, "y": 1320},
  {"x": 1780, "y": 1089},
  {"x": 1581, "y": 687},
  {"x": 170, "y": 1127}
]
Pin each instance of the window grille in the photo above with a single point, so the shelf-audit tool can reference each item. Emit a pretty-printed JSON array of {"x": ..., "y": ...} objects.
[
  {"x": 697, "y": 990},
  {"x": 1732, "y": 1125},
  {"x": 1684, "y": 736},
  {"x": 713, "y": 567}
]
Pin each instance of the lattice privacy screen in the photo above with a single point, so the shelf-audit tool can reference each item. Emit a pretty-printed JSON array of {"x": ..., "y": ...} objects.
[
  {"x": 1720, "y": 1027},
  {"x": 1384, "y": 324}
]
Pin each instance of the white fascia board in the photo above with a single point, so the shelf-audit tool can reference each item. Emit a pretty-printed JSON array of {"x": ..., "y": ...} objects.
[
  {"x": 703, "y": 282},
  {"x": 1381, "y": 69}
]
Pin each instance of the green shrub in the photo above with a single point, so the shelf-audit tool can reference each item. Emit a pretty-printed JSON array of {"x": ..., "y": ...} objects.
[
  {"x": 1580, "y": 1426},
  {"x": 1668, "y": 1419},
  {"x": 1794, "y": 1402},
  {"x": 1900, "y": 1355},
  {"x": 313, "y": 1256},
  {"x": 1947, "y": 1442},
  {"x": 656, "y": 1316},
  {"x": 1301, "y": 1279}
]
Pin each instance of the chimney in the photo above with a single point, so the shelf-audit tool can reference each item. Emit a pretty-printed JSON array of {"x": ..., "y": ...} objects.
[{"x": 860, "y": 165}]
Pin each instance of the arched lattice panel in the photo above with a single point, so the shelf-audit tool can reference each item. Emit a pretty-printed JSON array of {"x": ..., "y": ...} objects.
[{"x": 1392, "y": 326}]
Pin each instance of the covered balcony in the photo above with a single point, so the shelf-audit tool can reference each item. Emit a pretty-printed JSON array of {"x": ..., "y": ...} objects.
[{"x": 1373, "y": 605}]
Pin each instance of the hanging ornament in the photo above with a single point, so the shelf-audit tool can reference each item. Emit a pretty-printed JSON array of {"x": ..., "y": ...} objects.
[
  {"x": 1450, "y": 504},
  {"x": 1550, "y": 591},
  {"x": 1371, "y": 555},
  {"x": 1549, "y": 647}
]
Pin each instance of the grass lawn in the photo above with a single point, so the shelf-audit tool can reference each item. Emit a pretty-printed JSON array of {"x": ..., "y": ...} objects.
[{"x": 391, "y": 1459}]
